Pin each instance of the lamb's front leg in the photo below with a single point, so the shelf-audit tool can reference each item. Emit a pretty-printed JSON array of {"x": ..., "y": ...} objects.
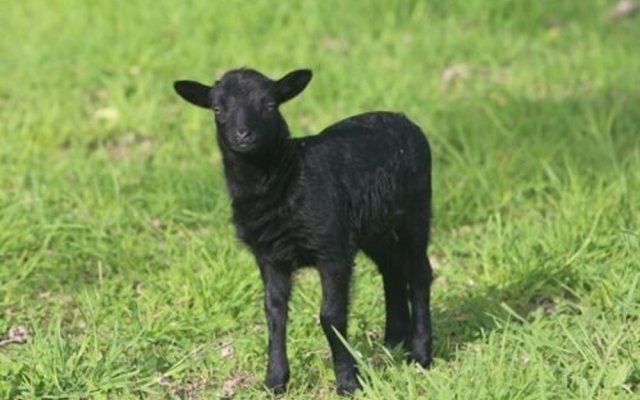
[
  {"x": 277, "y": 285},
  {"x": 335, "y": 298}
]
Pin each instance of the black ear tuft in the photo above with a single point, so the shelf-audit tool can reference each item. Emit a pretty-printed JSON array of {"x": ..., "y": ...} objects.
[
  {"x": 194, "y": 92},
  {"x": 292, "y": 84}
]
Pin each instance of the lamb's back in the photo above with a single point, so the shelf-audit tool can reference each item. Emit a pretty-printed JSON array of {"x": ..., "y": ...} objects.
[{"x": 370, "y": 166}]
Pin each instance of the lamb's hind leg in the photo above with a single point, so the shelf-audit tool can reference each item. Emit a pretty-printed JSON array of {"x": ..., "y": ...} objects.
[
  {"x": 413, "y": 239},
  {"x": 387, "y": 255}
]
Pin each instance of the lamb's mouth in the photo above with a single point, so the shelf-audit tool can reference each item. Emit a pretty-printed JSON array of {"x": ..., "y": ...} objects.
[{"x": 246, "y": 146}]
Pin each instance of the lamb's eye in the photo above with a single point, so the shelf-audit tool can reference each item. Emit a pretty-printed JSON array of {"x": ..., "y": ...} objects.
[
  {"x": 217, "y": 109},
  {"x": 270, "y": 105}
]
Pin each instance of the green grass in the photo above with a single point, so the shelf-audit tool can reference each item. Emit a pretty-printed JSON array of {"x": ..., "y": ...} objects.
[{"x": 116, "y": 251}]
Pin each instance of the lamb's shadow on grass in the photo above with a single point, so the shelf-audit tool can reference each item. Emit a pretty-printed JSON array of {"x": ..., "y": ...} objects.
[{"x": 467, "y": 317}]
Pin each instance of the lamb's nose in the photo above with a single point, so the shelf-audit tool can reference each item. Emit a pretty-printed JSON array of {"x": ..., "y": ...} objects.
[{"x": 243, "y": 135}]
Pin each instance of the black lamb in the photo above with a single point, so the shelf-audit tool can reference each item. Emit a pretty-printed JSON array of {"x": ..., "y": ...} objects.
[{"x": 362, "y": 183}]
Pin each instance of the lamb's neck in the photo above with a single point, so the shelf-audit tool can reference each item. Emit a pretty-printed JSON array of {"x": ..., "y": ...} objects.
[{"x": 250, "y": 180}]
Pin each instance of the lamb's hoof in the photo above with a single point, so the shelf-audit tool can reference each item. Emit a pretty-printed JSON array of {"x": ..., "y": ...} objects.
[
  {"x": 423, "y": 359},
  {"x": 348, "y": 388},
  {"x": 276, "y": 385},
  {"x": 393, "y": 340}
]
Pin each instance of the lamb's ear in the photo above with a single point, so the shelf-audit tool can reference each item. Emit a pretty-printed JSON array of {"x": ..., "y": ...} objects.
[
  {"x": 194, "y": 92},
  {"x": 290, "y": 85}
]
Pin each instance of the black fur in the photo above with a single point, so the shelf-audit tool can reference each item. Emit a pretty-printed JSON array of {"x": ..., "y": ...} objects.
[{"x": 363, "y": 183}]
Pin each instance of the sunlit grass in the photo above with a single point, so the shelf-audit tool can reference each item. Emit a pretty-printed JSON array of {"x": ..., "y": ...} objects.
[{"x": 116, "y": 250}]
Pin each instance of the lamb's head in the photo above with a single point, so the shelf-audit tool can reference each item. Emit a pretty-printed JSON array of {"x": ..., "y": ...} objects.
[{"x": 245, "y": 104}]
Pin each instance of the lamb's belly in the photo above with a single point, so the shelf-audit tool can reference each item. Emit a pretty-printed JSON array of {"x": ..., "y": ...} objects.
[{"x": 290, "y": 251}]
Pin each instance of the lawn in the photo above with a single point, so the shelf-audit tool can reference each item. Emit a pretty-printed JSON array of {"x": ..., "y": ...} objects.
[{"x": 119, "y": 263}]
